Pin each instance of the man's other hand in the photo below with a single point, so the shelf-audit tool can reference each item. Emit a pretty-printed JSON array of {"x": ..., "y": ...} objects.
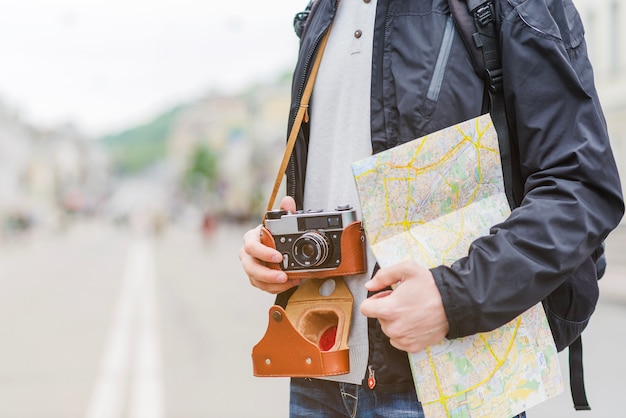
[{"x": 412, "y": 315}]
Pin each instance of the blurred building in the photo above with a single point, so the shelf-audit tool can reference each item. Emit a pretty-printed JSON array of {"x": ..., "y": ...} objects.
[
  {"x": 15, "y": 152},
  {"x": 59, "y": 171},
  {"x": 45, "y": 174},
  {"x": 247, "y": 133},
  {"x": 79, "y": 168}
]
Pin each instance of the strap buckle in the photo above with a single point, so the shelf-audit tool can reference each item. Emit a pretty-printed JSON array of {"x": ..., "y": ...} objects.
[
  {"x": 494, "y": 79},
  {"x": 484, "y": 14}
]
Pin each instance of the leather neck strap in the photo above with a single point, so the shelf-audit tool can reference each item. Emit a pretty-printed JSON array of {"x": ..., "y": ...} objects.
[{"x": 301, "y": 116}]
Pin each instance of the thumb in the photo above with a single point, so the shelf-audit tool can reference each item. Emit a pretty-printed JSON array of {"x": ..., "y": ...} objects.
[
  {"x": 288, "y": 204},
  {"x": 375, "y": 305},
  {"x": 385, "y": 277}
]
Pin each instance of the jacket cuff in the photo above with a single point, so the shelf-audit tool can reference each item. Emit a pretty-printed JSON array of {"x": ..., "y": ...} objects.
[{"x": 457, "y": 316}]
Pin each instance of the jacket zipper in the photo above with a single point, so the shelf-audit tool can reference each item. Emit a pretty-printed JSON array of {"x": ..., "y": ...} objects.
[
  {"x": 371, "y": 380},
  {"x": 442, "y": 61},
  {"x": 386, "y": 123},
  {"x": 305, "y": 73}
]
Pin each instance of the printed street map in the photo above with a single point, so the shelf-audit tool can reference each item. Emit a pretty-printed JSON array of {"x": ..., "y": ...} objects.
[{"x": 427, "y": 200}]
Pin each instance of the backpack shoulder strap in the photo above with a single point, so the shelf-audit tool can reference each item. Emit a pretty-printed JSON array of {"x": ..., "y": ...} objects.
[
  {"x": 476, "y": 23},
  {"x": 466, "y": 27},
  {"x": 576, "y": 376}
]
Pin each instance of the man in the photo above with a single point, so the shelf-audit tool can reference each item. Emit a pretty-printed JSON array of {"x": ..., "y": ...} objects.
[{"x": 393, "y": 71}]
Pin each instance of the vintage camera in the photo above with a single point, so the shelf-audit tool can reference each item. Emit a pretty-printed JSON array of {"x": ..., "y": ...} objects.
[
  {"x": 309, "y": 336},
  {"x": 317, "y": 244}
]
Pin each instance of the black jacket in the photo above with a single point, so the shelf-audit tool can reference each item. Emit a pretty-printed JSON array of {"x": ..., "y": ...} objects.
[{"x": 423, "y": 81}]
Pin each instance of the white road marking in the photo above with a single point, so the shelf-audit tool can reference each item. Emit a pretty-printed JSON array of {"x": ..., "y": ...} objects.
[
  {"x": 136, "y": 307},
  {"x": 146, "y": 396}
]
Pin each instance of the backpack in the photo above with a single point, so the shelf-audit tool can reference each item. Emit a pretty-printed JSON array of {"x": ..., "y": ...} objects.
[{"x": 569, "y": 307}]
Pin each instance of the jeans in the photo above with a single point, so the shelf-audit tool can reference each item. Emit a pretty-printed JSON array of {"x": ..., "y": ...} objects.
[{"x": 325, "y": 399}]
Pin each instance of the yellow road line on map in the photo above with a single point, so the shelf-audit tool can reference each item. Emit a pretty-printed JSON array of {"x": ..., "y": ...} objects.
[
  {"x": 444, "y": 398},
  {"x": 411, "y": 174},
  {"x": 437, "y": 380},
  {"x": 406, "y": 224},
  {"x": 418, "y": 171},
  {"x": 482, "y": 337}
]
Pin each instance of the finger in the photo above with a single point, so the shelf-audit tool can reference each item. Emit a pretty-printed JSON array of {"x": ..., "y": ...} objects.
[
  {"x": 258, "y": 271},
  {"x": 255, "y": 257},
  {"x": 274, "y": 288},
  {"x": 265, "y": 278},
  {"x": 397, "y": 338},
  {"x": 288, "y": 204},
  {"x": 394, "y": 343},
  {"x": 253, "y": 246},
  {"x": 376, "y": 305},
  {"x": 400, "y": 339},
  {"x": 408, "y": 347},
  {"x": 387, "y": 276}
]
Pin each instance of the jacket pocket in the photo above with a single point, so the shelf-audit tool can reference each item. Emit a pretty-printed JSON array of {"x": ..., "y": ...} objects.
[
  {"x": 418, "y": 47},
  {"x": 442, "y": 61}
]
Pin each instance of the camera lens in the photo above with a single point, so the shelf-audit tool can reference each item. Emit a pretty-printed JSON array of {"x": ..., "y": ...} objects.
[{"x": 311, "y": 249}]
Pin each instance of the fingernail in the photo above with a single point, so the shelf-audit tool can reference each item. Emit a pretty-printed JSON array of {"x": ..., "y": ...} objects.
[
  {"x": 281, "y": 278},
  {"x": 276, "y": 258}
]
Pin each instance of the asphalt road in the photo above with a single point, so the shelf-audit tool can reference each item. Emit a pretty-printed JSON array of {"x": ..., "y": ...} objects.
[{"x": 101, "y": 322}]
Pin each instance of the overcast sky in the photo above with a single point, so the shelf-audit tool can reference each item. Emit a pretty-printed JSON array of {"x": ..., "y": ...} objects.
[{"x": 108, "y": 64}]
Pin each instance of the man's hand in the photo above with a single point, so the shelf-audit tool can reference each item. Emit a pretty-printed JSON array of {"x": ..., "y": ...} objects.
[
  {"x": 412, "y": 315},
  {"x": 255, "y": 256}
]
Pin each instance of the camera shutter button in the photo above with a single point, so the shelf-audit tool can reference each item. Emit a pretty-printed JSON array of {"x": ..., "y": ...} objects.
[
  {"x": 343, "y": 207},
  {"x": 275, "y": 214}
]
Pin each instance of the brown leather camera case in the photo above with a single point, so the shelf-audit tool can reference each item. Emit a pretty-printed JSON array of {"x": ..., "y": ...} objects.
[{"x": 291, "y": 344}]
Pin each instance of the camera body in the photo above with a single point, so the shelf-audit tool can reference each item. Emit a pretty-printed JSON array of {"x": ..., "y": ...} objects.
[{"x": 317, "y": 244}]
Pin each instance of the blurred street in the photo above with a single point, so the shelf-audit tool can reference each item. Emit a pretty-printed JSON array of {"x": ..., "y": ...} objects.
[
  {"x": 79, "y": 340},
  {"x": 108, "y": 322}
]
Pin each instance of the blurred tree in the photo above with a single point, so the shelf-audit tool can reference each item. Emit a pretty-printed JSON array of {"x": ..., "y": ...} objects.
[
  {"x": 138, "y": 148},
  {"x": 201, "y": 176}
]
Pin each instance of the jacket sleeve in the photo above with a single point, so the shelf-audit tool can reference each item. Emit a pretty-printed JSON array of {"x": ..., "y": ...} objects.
[{"x": 572, "y": 193}]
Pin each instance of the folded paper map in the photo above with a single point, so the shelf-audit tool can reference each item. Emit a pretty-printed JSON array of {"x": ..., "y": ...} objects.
[{"x": 427, "y": 200}]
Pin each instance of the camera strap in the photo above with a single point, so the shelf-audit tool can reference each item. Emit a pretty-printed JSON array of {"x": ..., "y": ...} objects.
[{"x": 301, "y": 116}]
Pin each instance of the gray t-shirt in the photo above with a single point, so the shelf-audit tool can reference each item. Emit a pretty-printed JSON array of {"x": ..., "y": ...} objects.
[{"x": 340, "y": 134}]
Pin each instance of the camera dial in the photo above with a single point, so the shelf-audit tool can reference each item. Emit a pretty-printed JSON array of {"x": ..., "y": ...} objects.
[{"x": 275, "y": 214}]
